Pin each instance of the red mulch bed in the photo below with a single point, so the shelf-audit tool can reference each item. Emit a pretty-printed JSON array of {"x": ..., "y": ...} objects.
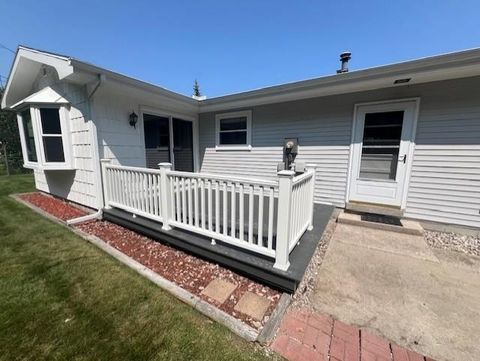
[
  {"x": 187, "y": 271},
  {"x": 58, "y": 208}
]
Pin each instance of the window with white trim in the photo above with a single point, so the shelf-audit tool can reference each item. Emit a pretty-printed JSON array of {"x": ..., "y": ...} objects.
[
  {"x": 234, "y": 129},
  {"x": 45, "y": 137}
]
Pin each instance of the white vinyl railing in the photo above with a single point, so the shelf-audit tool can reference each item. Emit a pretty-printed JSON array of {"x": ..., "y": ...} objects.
[{"x": 263, "y": 216}]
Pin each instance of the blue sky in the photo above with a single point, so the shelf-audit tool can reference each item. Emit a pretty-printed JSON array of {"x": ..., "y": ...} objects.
[{"x": 232, "y": 46}]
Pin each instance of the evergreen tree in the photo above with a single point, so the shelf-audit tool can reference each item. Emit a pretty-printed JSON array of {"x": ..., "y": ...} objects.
[
  {"x": 9, "y": 135},
  {"x": 196, "y": 89}
]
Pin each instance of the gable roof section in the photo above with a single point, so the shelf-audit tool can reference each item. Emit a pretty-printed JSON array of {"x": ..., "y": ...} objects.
[
  {"x": 25, "y": 67},
  {"x": 28, "y": 62},
  {"x": 45, "y": 96}
]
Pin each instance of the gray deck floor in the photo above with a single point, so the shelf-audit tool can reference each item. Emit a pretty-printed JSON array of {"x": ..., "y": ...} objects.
[{"x": 250, "y": 264}]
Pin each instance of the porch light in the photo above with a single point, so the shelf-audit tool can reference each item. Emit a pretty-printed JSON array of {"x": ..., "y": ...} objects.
[{"x": 132, "y": 119}]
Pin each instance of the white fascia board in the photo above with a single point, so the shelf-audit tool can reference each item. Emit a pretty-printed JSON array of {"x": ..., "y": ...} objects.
[{"x": 129, "y": 81}]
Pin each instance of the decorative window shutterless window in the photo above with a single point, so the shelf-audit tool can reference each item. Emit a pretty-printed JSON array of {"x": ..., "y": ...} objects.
[{"x": 233, "y": 130}]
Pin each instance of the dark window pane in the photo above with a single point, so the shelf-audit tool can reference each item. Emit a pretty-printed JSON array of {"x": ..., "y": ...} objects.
[
  {"x": 381, "y": 143},
  {"x": 29, "y": 138},
  {"x": 233, "y": 123},
  {"x": 156, "y": 131},
  {"x": 234, "y": 138},
  {"x": 50, "y": 121},
  {"x": 53, "y": 147},
  {"x": 157, "y": 140},
  {"x": 383, "y": 128},
  {"x": 183, "y": 145}
]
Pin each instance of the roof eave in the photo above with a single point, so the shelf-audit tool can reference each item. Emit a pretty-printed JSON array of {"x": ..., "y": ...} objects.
[
  {"x": 140, "y": 84},
  {"x": 459, "y": 64}
]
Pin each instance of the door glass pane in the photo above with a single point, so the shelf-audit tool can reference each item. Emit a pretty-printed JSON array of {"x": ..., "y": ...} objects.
[
  {"x": 29, "y": 138},
  {"x": 183, "y": 145},
  {"x": 381, "y": 143},
  {"x": 157, "y": 140}
]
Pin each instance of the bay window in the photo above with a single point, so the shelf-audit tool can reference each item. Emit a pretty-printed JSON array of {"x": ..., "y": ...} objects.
[{"x": 45, "y": 138}]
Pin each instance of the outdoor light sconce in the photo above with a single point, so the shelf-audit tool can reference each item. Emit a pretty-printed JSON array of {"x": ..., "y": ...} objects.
[{"x": 132, "y": 119}]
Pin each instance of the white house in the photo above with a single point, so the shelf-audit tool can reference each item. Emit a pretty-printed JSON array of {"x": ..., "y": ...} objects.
[{"x": 405, "y": 137}]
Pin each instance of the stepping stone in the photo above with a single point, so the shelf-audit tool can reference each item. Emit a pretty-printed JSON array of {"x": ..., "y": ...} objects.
[
  {"x": 253, "y": 305},
  {"x": 219, "y": 290}
]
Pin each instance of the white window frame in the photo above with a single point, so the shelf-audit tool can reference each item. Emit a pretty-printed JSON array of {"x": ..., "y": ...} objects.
[
  {"x": 218, "y": 117},
  {"x": 38, "y": 137},
  {"x": 23, "y": 142}
]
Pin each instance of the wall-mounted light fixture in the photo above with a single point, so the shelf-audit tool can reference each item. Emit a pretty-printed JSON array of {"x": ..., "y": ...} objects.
[{"x": 132, "y": 119}]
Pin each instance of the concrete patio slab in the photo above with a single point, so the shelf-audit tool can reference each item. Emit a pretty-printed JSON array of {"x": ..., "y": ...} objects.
[
  {"x": 252, "y": 305},
  {"x": 398, "y": 288},
  {"x": 219, "y": 290},
  {"x": 386, "y": 241}
]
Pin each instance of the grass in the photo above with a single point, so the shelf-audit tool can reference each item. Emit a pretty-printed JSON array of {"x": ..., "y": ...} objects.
[{"x": 63, "y": 299}]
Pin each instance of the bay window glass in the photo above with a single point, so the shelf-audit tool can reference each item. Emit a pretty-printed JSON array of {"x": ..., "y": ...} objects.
[
  {"x": 29, "y": 135},
  {"x": 52, "y": 135}
]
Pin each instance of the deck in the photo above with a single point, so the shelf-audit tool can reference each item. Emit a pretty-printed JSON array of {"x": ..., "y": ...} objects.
[{"x": 250, "y": 264}]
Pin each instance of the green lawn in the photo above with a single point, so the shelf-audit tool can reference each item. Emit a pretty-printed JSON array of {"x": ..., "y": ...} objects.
[{"x": 63, "y": 299}]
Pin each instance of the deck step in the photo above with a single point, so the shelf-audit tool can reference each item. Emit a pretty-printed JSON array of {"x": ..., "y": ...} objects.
[
  {"x": 407, "y": 226},
  {"x": 374, "y": 208}
]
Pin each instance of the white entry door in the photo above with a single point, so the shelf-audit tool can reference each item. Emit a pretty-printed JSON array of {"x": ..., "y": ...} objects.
[{"x": 382, "y": 142}]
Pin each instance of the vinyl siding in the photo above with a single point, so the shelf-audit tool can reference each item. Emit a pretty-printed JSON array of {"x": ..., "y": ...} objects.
[
  {"x": 445, "y": 178},
  {"x": 445, "y": 181},
  {"x": 75, "y": 185},
  {"x": 323, "y": 131},
  {"x": 117, "y": 140}
]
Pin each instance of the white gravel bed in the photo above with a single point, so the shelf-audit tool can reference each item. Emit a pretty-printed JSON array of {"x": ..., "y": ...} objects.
[{"x": 454, "y": 242}]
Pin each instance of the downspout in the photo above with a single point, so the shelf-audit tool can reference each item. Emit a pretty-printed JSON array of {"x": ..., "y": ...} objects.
[
  {"x": 98, "y": 214},
  {"x": 88, "y": 217},
  {"x": 101, "y": 79}
]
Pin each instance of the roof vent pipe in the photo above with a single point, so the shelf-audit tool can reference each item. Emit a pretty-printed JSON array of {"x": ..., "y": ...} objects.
[{"x": 344, "y": 58}]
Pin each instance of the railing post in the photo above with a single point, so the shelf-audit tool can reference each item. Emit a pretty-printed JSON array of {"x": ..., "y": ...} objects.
[
  {"x": 284, "y": 211},
  {"x": 104, "y": 162},
  {"x": 165, "y": 199},
  {"x": 311, "y": 168}
]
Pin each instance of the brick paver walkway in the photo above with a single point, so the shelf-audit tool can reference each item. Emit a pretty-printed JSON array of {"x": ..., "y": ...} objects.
[{"x": 310, "y": 336}]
